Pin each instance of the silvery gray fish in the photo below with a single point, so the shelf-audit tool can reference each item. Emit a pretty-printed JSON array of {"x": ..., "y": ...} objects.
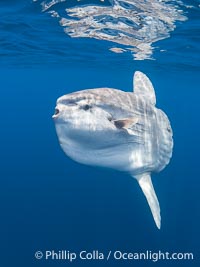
[{"x": 120, "y": 130}]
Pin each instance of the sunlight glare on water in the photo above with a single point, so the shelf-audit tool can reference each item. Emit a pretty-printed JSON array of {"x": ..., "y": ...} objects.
[
  {"x": 124, "y": 32},
  {"x": 131, "y": 25}
]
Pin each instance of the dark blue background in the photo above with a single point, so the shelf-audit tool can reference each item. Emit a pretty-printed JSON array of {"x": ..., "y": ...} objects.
[{"x": 50, "y": 202}]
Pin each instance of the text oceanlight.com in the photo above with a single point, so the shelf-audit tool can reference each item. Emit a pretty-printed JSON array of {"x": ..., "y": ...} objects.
[{"x": 66, "y": 255}]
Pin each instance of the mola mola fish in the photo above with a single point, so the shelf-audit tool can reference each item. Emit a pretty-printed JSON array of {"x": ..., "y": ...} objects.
[{"x": 120, "y": 130}]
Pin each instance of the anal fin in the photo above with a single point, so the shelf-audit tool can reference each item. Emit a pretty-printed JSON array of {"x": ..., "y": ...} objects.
[{"x": 146, "y": 185}]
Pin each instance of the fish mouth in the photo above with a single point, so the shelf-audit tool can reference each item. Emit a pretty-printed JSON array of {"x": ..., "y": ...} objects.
[{"x": 56, "y": 113}]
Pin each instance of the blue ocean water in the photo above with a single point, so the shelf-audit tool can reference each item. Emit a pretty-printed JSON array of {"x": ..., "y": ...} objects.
[{"x": 49, "y": 202}]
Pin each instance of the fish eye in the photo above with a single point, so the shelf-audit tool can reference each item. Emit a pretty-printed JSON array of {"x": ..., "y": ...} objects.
[
  {"x": 110, "y": 118},
  {"x": 86, "y": 107}
]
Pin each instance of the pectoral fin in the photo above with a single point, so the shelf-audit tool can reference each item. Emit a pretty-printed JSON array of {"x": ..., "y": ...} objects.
[
  {"x": 126, "y": 124},
  {"x": 146, "y": 185}
]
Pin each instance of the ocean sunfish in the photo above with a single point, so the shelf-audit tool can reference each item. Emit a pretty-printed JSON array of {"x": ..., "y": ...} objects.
[{"x": 120, "y": 130}]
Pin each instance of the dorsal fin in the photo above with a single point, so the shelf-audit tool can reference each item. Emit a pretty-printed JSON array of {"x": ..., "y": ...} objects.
[{"x": 143, "y": 86}]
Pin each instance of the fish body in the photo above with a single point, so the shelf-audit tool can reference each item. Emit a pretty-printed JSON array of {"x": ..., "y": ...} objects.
[{"x": 111, "y": 128}]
